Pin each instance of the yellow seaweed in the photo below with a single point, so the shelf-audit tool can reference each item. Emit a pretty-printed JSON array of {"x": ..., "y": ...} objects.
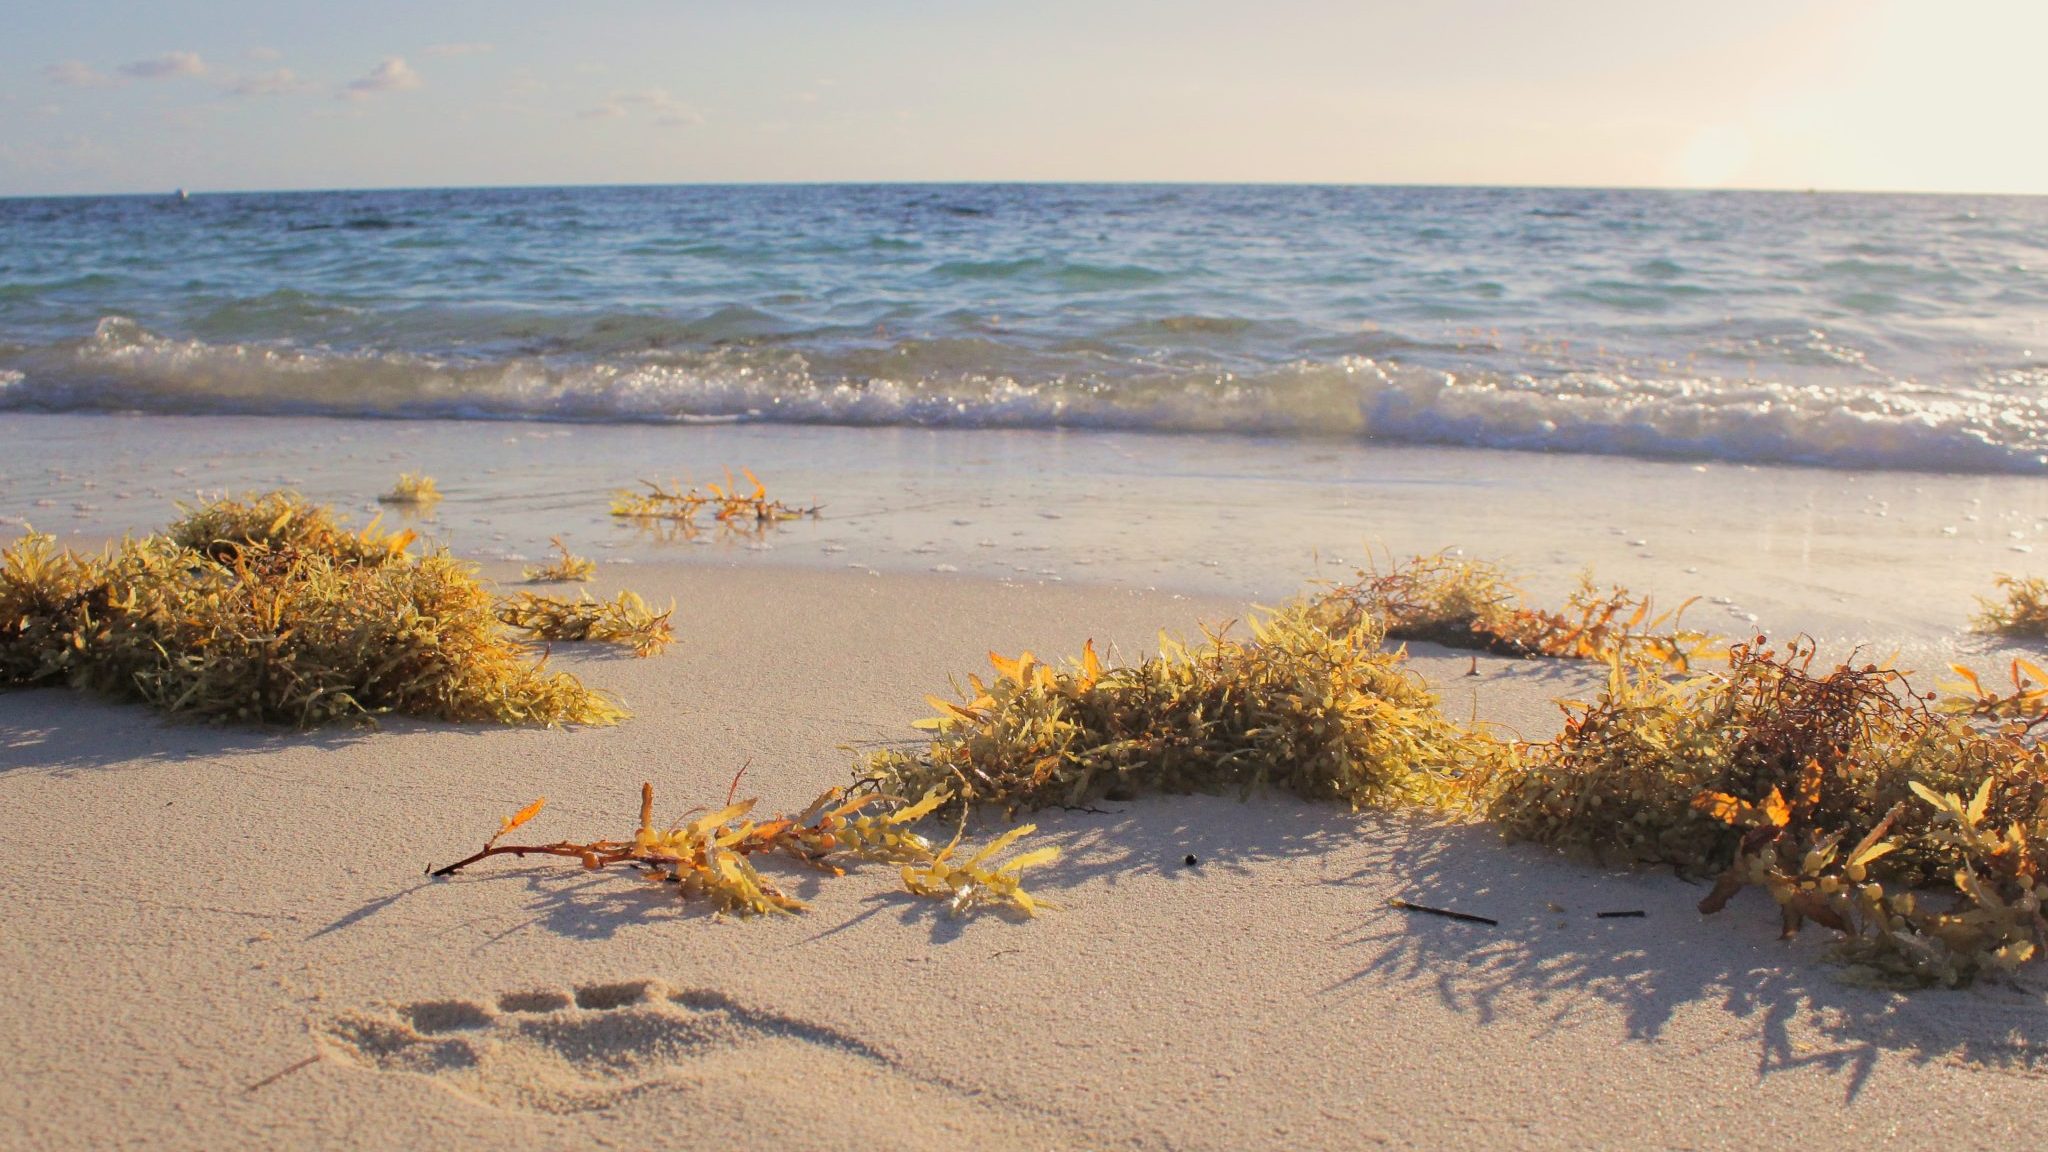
[
  {"x": 625, "y": 620},
  {"x": 567, "y": 567},
  {"x": 731, "y": 503},
  {"x": 1475, "y": 604},
  {"x": 266, "y": 610},
  {"x": 1306, "y": 705},
  {"x": 412, "y": 489},
  {"x": 2020, "y": 610},
  {"x": 711, "y": 858}
]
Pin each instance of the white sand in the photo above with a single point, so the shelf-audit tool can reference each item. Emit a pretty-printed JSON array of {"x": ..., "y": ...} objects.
[{"x": 191, "y": 911}]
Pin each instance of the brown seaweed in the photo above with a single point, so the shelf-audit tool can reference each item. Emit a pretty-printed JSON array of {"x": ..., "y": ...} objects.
[
  {"x": 711, "y": 857},
  {"x": 729, "y": 503},
  {"x": 1463, "y": 603}
]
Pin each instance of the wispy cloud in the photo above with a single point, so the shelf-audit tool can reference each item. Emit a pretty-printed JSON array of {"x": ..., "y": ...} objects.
[
  {"x": 73, "y": 74},
  {"x": 393, "y": 75},
  {"x": 263, "y": 54},
  {"x": 657, "y": 102},
  {"x": 463, "y": 49},
  {"x": 165, "y": 67},
  {"x": 277, "y": 83}
]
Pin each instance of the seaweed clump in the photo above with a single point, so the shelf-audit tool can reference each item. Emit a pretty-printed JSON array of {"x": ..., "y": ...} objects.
[
  {"x": 1459, "y": 603},
  {"x": 1858, "y": 803},
  {"x": 267, "y": 610},
  {"x": 44, "y": 593},
  {"x": 413, "y": 489},
  {"x": 1309, "y": 705},
  {"x": 1834, "y": 790},
  {"x": 2021, "y": 609},
  {"x": 711, "y": 857},
  {"x": 626, "y": 620},
  {"x": 566, "y": 568},
  {"x": 282, "y": 522},
  {"x": 731, "y": 504}
]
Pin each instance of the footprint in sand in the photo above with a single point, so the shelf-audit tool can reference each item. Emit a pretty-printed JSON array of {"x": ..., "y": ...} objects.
[{"x": 572, "y": 1051}]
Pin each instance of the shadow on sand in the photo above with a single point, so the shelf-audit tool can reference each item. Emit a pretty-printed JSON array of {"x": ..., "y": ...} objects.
[{"x": 1550, "y": 958}]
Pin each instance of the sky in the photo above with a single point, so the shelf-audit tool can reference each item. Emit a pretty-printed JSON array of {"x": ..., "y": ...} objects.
[{"x": 104, "y": 96}]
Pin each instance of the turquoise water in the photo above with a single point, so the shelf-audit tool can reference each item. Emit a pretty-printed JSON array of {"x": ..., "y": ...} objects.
[{"x": 1848, "y": 330}]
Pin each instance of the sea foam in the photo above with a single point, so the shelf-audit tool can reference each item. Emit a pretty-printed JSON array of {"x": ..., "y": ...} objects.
[{"x": 2002, "y": 427}]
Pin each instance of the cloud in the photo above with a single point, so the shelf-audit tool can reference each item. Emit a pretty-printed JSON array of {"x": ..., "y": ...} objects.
[
  {"x": 72, "y": 74},
  {"x": 165, "y": 67},
  {"x": 666, "y": 109},
  {"x": 263, "y": 54},
  {"x": 393, "y": 75},
  {"x": 278, "y": 83},
  {"x": 463, "y": 49}
]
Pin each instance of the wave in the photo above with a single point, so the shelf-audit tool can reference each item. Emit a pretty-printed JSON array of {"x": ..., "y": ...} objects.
[
  {"x": 1071, "y": 275},
  {"x": 2001, "y": 426},
  {"x": 356, "y": 224}
]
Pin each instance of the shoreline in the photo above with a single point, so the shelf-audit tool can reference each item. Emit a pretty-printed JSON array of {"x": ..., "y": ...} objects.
[{"x": 1881, "y": 560}]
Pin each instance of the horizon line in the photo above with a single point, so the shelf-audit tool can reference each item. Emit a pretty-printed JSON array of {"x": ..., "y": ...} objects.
[{"x": 1793, "y": 190}]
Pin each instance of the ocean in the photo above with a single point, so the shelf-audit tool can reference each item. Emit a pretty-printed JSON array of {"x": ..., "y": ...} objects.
[{"x": 1841, "y": 330}]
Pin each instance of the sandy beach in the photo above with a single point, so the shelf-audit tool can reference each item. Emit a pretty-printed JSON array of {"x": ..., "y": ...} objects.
[
  {"x": 549, "y": 555},
  {"x": 223, "y": 937}
]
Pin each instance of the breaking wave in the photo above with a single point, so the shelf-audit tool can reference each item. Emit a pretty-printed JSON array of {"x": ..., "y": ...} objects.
[{"x": 2000, "y": 425}]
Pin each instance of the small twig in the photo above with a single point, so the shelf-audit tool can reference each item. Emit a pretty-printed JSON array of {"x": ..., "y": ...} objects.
[
  {"x": 1632, "y": 914},
  {"x": 1469, "y": 918},
  {"x": 281, "y": 1073}
]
